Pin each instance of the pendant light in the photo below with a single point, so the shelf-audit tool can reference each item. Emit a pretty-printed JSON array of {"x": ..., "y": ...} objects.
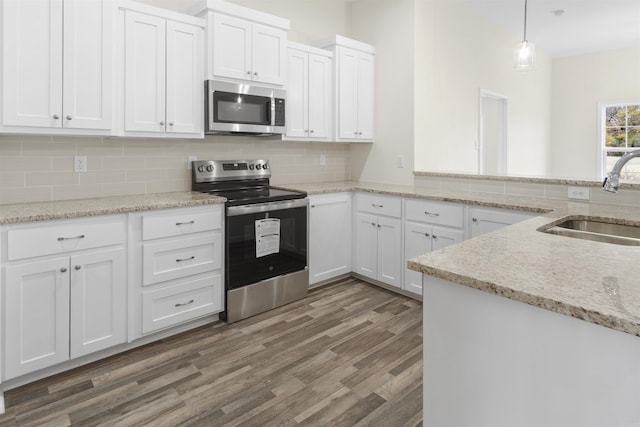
[{"x": 526, "y": 52}]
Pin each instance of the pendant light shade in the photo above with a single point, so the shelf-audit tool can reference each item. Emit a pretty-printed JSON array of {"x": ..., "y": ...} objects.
[{"x": 525, "y": 56}]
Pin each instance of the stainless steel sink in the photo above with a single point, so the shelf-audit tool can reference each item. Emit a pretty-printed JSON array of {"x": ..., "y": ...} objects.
[{"x": 597, "y": 230}]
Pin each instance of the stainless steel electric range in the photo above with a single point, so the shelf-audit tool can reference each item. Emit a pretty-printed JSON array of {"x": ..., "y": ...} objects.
[{"x": 265, "y": 236}]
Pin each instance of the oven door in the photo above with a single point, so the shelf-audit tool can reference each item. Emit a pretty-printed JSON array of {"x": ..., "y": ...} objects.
[{"x": 265, "y": 240}]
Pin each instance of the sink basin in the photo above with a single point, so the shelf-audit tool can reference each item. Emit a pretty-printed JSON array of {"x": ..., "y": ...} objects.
[{"x": 596, "y": 230}]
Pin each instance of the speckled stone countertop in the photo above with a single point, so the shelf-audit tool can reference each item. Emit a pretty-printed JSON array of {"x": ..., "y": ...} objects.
[
  {"x": 45, "y": 211},
  {"x": 593, "y": 281}
]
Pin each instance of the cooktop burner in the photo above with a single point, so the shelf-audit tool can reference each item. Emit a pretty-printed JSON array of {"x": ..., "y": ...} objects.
[{"x": 241, "y": 182}]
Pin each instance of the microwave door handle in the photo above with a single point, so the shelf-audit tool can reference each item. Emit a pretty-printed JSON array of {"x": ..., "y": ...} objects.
[{"x": 211, "y": 108}]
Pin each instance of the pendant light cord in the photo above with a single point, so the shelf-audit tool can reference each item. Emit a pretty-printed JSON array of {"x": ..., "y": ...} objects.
[{"x": 525, "y": 20}]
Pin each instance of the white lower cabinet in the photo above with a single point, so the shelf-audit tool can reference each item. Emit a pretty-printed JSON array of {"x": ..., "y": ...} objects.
[
  {"x": 329, "y": 236},
  {"x": 176, "y": 267},
  {"x": 485, "y": 220},
  {"x": 429, "y": 226},
  {"x": 66, "y": 305},
  {"x": 377, "y": 250}
]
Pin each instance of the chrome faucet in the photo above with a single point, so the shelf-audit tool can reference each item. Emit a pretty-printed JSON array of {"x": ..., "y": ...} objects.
[{"x": 612, "y": 181}]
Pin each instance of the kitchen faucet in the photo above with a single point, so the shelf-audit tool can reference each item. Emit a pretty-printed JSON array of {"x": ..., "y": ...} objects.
[{"x": 612, "y": 181}]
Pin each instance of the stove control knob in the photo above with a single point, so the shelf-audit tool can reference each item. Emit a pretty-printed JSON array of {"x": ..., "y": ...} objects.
[
  {"x": 210, "y": 168},
  {"x": 251, "y": 167},
  {"x": 200, "y": 168},
  {"x": 265, "y": 166}
]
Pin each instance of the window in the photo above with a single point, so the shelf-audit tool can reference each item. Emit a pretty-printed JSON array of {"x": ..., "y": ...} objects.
[{"x": 620, "y": 124}]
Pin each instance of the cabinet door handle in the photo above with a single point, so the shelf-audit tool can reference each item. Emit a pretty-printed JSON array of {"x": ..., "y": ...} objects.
[
  {"x": 379, "y": 226},
  {"x": 78, "y": 267},
  {"x": 377, "y": 206},
  {"x": 185, "y": 259},
  {"x": 172, "y": 123},
  {"x": 60, "y": 239},
  {"x": 311, "y": 131},
  {"x": 434, "y": 236},
  {"x": 255, "y": 74},
  {"x": 185, "y": 223},
  {"x": 474, "y": 219},
  {"x": 162, "y": 123},
  {"x": 184, "y": 303},
  {"x": 313, "y": 206},
  {"x": 69, "y": 118},
  {"x": 249, "y": 72},
  {"x": 56, "y": 117},
  {"x": 63, "y": 270},
  {"x": 431, "y": 213},
  {"x": 427, "y": 234}
]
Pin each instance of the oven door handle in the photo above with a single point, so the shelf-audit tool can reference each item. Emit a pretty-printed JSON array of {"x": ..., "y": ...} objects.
[{"x": 266, "y": 207}]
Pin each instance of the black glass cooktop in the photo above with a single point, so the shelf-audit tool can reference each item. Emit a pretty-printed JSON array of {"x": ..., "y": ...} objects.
[{"x": 260, "y": 195}]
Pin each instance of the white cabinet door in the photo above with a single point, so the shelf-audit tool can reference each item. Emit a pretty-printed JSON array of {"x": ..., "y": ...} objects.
[
  {"x": 185, "y": 74},
  {"x": 365, "y": 96},
  {"x": 144, "y": 72},
  {"x": 36, "y": 316},
  {"x": 366, "y": 245},
  {"x": 98, "y": 301},
  {"x": 268, "y": 56},
  {"x": 484, "y": 220},
  {"x": 319, "y": 98},
  {"x": 32, "y": 63},
  {"x": 443, "y": 237},
  {"x": 417, "y": 241},
  {"x": 390, "y": 251},
  {"x": 347, "y": 93},
  {"x": 329, "y": 237},
  {"x": 297, "y": 94},
  {"x": 88, "y": 62},
  {"x": 231, "y": 47}
]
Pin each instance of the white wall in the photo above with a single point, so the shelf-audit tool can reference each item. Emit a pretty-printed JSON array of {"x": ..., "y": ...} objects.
[
  {"x": 579, "y": 83},
  {"x": 389, "y": 26},
  {"x": 457, "y": 53}
]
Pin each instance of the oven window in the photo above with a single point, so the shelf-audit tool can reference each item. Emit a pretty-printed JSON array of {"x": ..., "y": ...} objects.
[
  {"x": 249, "y": 261},
  {"x": 243, "y": 109}
]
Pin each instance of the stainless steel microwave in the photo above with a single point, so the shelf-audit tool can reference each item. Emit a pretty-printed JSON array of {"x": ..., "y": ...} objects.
[{"x": 244, "y": 109}]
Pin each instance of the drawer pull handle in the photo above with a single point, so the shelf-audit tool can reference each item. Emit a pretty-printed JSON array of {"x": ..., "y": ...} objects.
[
  {"x": 185, "y": 223},
  {"x": 431, "y": 213},
  {"x": 186, "y": 259},
  {"x": 61, "y": 239},
  {"x": 377, "y": 206},
  {"x": 184, "y": 303}
]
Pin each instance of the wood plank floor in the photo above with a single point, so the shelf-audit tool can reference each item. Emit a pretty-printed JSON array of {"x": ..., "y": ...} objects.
[{"x": 350, "y": 354}]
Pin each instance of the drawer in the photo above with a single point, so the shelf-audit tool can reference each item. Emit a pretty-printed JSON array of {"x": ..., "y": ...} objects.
[
  {"x": 65, "y": 236},
  {"x": 175, "y": 304},
  {"x": 177, "y": 258},
  {"x": 434, "y": 212},
  {"x": 178, "y": 223},
  {"x": 379, "y": 205}
]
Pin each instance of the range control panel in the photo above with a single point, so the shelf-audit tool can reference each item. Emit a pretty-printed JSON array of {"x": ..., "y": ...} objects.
[{"x": 226, "y": 170}]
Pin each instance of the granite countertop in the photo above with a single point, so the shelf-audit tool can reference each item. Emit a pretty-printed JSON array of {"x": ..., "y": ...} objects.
[
  {"x": 45, "y": 211},
  {"x": 593, "y": 281}
]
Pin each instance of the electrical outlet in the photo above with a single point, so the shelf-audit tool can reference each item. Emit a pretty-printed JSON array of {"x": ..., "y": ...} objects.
[
  {"x": 400, "y": 161},
  {"x": 580, "y": 193},
  {"x": 191, "y": 159},
  {"x": 323, "y": 160},
  {"x": 79, "y": 163}
]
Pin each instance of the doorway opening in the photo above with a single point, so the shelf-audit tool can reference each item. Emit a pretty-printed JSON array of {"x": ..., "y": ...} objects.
[{"x": 492, "y": 133}]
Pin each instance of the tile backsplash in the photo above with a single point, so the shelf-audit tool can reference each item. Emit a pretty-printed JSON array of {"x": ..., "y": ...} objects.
[{"x": 40, "y": 168}]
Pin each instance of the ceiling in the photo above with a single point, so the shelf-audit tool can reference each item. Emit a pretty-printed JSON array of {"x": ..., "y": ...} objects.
[{"x": 585, "y": 26}]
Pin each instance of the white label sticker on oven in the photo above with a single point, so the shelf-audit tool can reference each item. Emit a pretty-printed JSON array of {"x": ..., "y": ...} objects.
[{"x": 267, "y": 236}]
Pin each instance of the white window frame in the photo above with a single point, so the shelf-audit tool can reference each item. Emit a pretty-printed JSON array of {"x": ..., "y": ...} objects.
[{"x": 602, "y": 133}]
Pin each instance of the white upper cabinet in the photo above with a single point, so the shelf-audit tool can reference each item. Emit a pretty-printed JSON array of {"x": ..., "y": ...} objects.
[
  {"x": 57, "y": 61},
  {"x": 163, "y": 82},
  {"x": 244, "y": 44},
  {"x": 308, "y": 93},
  {"x": 353, "y": 89}
]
